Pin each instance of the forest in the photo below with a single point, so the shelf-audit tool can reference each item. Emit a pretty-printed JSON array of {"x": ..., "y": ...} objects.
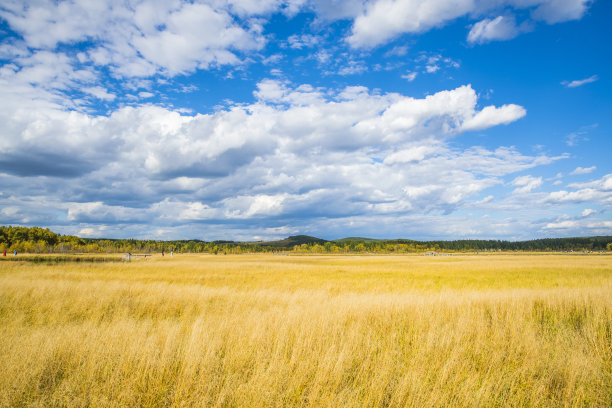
[{"x": 42, "y": 240}]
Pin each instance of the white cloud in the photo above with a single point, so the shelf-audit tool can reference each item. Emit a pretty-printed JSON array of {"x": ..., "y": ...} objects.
[
  {"x": 255, "y": 7},
  {"x": 526, "y": 184},
  {"x": 580, "y": 82},
  {"x": 410, "y": 76},
  {"x": 588, "y": 211},
  {"x": 388, "y": 154},
  {"x": 382, "y": 20},
  {"x": 385, "y": 19},
  {"x": 597, "y": 191},
  {"x": 557, "y": 11},
  {"x": 145, "y": 94},
  {"x": 583, "y": 170},
  {"x": 414, "y": 154},
  {"x": 601, "y": 225},
  {"x": 48, "y": 70},
  {"x": 604, "y": 183},
  {"x": 430, "y": 69},
  {"x": 184, "y": 211},
  {"x": 562, "y": 224},
  {"x": 299, "y": 155},
  {"x": 100, "y": 93},
  {"x": 398, "y": 50},
  {"x": 303, "y": 41},
  {"x": 13, "y": 49},
  {"x": 86, "y": 232},
  {"x": 195, "y": 36},
  {"x": 556, "y": 176},
  {"x": 44, "y": 24},
  {"x": 431, "y": 63},
  {"x": 98, "y": 211},
  {"x": 143, "y": 38},
  {"x": 493, "y": 116},
  {"x": 588, "y": 226},
  {"x": 497, "y": 29},
  {"x": 242, "y": 207},
  {"x": 448, "y": 111},
  {"x": 337, "y": 9},
  {"x": 352, "y": 68}
]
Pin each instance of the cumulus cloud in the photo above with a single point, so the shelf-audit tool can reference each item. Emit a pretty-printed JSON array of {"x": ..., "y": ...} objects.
[
  {"x": 145, "y": 94},
  {"x": 298, "y": 158},
  {"x": 143, "y": 38},
  {"x": 195, "y": 36},
  {"x": 583, "y": 170},
  {"x": 497, "y": 29},
  {"x": 382, "y": 20},
  {"x": 297, "y": 152},
  {"x": 414, "y": 154},
  {"x": 48, "y": 70},
  {"x": 99, "y": 92},
  {"x": 557, "y": 11},
  {"x": 492, "y": 116},
  {"x": 526, "y": 184},
  {"x": 99, "y": 212},
  {"x": 588, "y": 211},
  {"x": 572, "y": 226},
  {"x": 410, "y": 76},
  {"x": 597, "y": 191},
  {"x": 604, "y": 183}
]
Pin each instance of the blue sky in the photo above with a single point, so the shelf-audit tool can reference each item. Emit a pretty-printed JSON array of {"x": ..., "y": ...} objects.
[{"x": 248, "y": 120}]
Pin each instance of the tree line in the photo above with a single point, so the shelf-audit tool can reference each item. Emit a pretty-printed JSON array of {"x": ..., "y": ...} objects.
[{"x": 43, "y": 240}]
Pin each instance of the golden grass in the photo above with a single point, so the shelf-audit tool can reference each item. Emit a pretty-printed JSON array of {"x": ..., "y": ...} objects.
[{"x": 349, "y": 331}]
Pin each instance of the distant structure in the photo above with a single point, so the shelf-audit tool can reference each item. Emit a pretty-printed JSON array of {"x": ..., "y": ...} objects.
[
  {"x": 129, "y": 256},
  {"x": 434, "y": 253}
]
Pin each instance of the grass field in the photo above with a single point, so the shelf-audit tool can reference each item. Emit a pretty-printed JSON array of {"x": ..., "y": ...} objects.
[{"x": 342, "y": 331}]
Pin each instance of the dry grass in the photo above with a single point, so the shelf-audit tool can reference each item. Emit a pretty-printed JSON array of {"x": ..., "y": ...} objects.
[{"x": 309, "y": 331}]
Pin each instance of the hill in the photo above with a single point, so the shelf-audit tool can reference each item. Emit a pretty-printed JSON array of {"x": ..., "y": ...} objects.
[
  {"x": 292, "y": 241},
  {"x": 356, "y": 239}
]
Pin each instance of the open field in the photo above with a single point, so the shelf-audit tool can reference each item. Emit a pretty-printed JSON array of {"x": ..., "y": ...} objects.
[{"x": 343, "y": 331}]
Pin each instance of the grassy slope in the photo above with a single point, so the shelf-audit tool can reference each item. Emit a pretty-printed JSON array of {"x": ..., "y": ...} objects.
[{"x": 309, "y": 331}]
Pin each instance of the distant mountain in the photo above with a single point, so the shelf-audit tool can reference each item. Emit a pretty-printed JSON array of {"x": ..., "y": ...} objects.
[
  {"x": 356, "y": 239},
  {"x": 292, "y": 241}
]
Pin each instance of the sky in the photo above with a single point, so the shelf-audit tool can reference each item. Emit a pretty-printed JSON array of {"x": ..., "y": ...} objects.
[{"x": 260, "y": 119}]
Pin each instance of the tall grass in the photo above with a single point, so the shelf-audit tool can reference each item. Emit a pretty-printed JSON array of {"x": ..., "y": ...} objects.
[{"x": 309, "y": 331}]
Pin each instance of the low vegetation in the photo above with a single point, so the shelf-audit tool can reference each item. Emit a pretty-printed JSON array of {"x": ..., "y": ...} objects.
[{"x": 338, "y": 331}]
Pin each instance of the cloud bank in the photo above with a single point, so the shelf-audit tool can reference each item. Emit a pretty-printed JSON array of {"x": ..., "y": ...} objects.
[
  {"x": 297, "y": 152},
  {"x": 92, "y": 144}
]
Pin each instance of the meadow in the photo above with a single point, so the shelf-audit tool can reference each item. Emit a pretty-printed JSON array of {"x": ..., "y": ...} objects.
[{"x": 511, "y": 330}]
